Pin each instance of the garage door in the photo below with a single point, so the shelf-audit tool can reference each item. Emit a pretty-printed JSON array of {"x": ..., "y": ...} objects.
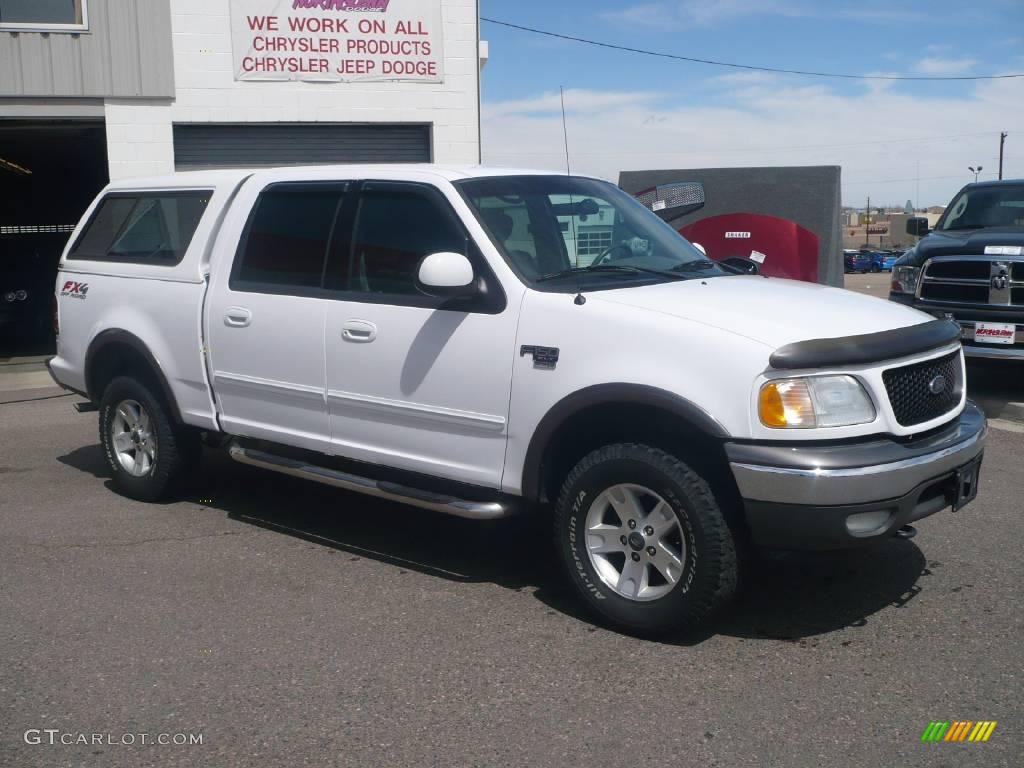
[{"x": 242, "y": 146}]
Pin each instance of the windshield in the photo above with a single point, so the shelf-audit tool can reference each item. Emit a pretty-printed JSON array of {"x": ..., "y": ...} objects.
[
  {"x": 560, "y": 233},
  {"x": 999, "y": 205}
]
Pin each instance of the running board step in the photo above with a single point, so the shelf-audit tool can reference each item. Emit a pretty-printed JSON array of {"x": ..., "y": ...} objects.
[{"x": 474, "y": 510}]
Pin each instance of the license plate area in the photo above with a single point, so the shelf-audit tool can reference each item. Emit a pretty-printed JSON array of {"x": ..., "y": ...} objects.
[
  {"x": 995, "y": 333},
  {"x": 963, "y": 488}
]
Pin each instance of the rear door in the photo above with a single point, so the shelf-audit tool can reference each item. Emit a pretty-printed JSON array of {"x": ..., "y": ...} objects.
[{"x": 266, "y": 315}]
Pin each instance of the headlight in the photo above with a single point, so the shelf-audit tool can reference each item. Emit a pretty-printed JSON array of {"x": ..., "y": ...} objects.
[
  {"x": 10, "y": 296},
  {"x": 815, "y": 401},
  {"x": 904, "y": 279},
  {"x": 21, "y": 295}
]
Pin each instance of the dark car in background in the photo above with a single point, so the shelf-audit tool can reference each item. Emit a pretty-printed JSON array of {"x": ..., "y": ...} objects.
[
  {"x": 863, "y": 261},
  {"x": 889, "y": 259},
  {"x": 970, "y": 268}
]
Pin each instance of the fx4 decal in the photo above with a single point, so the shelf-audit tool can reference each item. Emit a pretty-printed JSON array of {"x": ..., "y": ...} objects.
[{"x": 75, "y": 290}]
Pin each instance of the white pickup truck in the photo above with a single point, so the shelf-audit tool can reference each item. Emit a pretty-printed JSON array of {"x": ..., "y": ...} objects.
[{"x": 477, "y": 341}]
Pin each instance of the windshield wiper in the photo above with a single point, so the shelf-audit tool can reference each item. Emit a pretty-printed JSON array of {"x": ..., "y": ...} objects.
[
  {"x": 689, "y": 266},
  {"x": 612, "y": 268}
]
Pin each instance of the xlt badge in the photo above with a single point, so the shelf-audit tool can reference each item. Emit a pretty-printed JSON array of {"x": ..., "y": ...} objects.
[{"x": 543, "y": 357}]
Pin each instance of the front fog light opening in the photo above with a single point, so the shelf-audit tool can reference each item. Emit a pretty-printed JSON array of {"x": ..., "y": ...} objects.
[{"x": 867, "y": 523}]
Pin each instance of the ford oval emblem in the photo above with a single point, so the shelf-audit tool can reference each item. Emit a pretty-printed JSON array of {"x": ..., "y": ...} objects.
[{"x": 937, "y": 385}]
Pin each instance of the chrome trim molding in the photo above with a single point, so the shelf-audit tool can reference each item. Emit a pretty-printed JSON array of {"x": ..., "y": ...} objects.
[
  {"x": 449, "y": 505},
  {"x": 993, "y": 352},
  {"x": 256, "y": 382},
  {"x": 428, "y": 412}
]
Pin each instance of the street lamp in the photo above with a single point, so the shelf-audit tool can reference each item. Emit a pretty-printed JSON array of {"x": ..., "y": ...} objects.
[{"x": 975, "y": 171}]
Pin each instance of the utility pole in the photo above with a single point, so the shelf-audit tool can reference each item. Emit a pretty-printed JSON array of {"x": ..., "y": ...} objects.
[
  {"x": 917, "y": 191},
  {"x": 867, "y": 224},
  {"x": 1002, "y": 141}
]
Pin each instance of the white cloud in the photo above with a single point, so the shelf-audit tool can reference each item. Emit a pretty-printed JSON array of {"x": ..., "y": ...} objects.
[
  {"x": 936, "y": 65},
  {"x": 690, "y": 13},
  {"x": 576, "y": 99},
  {"x": 746, "y": 77},
  {"x": 883, "y": 137},
  {"x": 704, "y": 13}
]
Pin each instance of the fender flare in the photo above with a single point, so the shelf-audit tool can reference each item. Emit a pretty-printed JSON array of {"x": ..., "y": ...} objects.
[
  {"x": 606, "y": 394},
  {"x": 119, "y": 336}
]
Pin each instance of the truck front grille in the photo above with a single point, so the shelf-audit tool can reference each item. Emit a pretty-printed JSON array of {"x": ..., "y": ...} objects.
[
  {"x": 966, "y": 280},
  {"x": 910, "y": 389}
]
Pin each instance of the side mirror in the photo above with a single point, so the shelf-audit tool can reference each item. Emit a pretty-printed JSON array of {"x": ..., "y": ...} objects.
[
  {"x": 670, "y": 201},
  {"x": 700, "y": 248},
  {"x": 446, "y": 274},
  {"x": 741, "y": 265},
  {"x": 917, "y": 226}
]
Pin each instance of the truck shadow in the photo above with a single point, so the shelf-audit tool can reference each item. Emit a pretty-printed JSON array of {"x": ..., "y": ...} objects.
[{"x": 786, "y": 596}]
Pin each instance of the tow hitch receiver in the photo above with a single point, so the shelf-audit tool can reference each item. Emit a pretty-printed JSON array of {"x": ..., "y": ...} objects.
[
  {"x": 965, "y": 487},
  {"x": 906, "y": 532}
]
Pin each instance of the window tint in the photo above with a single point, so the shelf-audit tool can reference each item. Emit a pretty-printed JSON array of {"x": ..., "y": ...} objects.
[
  {"x": 288, "y": 236},
  {"x": 142, "y": 229},
  {"x": 395, "y": 228}
]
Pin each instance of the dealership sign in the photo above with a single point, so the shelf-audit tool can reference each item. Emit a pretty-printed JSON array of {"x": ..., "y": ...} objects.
[{"x": 338, "y": 40}]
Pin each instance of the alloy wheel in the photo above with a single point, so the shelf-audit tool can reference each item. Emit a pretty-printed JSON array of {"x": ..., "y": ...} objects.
[
  {"x": 635, "y": 542},
  {"x": 132, "y": 437}
]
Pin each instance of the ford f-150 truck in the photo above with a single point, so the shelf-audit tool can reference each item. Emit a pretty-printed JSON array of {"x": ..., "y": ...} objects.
[
  {"x": 971, "y": 268},
  {"x": 428, "y": 335}
]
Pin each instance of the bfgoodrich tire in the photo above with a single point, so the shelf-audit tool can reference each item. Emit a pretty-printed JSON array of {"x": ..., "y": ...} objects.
[
  {"x": 644, "y": 541},
  {"x": 146, "y": 451}
]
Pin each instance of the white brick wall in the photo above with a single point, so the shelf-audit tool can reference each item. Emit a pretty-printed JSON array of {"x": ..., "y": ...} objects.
[{"x": 139, "y": 132}]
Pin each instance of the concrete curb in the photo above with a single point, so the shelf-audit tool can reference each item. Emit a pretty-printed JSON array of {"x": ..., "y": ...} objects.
[{"x": 24, "y": 373}]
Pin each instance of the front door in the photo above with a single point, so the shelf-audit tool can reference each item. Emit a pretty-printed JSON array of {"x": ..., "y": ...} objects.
[{"x": 416, "y": 382}]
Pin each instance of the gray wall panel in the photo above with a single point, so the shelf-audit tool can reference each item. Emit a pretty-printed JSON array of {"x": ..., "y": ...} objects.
[
  {"x": 242, "y": 146},
  {"x": 126, "y": 53},
  {"x": 65, "y": 64},
  {"x": 808, "y": 195}
]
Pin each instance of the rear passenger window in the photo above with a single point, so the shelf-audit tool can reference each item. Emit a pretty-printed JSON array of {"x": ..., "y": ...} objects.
[
  {"x": 287, "y": 238},
  {"x": 396, "y": 228},
  {"x": 147, "y": 228}
]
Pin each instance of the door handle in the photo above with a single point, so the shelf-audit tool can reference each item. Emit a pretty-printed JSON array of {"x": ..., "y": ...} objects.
[
  {"x": 359, "y": 331},
  {"x": 237, "y": 317}
]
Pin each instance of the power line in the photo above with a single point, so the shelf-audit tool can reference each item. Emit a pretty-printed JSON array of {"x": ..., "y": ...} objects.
[{"x": 693, "y": 60}]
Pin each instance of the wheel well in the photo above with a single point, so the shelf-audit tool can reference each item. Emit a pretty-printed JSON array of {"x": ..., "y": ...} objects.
[
  {"x": 590, "y": 428},
  {"x": 125, "y": 358}
]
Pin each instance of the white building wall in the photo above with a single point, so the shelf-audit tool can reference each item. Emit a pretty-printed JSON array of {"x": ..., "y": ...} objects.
[{"x": 139, "y": 133}]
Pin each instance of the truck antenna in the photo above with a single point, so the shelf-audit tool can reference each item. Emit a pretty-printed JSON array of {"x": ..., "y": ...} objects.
[{"x": 565, "y": 131}]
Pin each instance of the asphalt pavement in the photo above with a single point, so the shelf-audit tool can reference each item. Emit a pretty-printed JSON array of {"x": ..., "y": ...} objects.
[{"x": 290, "y": 624}]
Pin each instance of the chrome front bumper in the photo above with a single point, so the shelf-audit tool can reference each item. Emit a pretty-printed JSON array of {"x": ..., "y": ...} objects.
[{"x": 801, "y": 494}]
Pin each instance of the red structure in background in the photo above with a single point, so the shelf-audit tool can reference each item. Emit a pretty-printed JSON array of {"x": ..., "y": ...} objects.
[{"x": 789, "y": 250}]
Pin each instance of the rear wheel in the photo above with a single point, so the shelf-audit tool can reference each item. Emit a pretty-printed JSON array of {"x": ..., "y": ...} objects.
[
  {"x": 147, "y": 453},
  {"x": 644, "y": 541}
]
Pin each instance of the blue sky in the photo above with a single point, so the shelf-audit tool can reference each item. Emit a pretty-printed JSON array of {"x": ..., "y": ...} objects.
[{"x": 895, "y": 141}]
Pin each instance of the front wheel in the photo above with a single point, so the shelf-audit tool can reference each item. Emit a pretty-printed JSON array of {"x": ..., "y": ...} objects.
[{"x": 644, "y": 541}]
